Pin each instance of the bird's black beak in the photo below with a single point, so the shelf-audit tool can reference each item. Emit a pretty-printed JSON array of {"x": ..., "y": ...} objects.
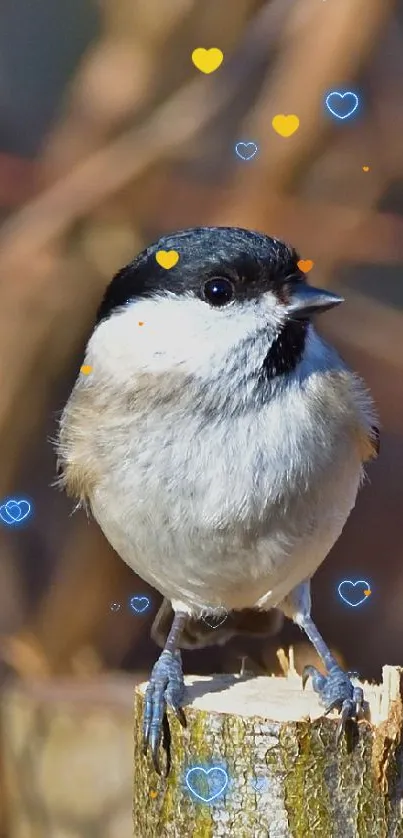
[{"x": 306, "y": 300}]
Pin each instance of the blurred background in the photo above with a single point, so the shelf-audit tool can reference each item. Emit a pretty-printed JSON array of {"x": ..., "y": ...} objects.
[{"x": 110, "y": 137}]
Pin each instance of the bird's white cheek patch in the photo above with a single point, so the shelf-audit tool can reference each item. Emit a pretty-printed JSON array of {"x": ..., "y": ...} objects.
[
  {"x": 174, "y": 332},
  {"x": 168, "y": 332}
]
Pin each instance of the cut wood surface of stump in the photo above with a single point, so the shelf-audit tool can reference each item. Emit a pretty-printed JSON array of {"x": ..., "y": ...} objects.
[{"x": 278, "y": 772}]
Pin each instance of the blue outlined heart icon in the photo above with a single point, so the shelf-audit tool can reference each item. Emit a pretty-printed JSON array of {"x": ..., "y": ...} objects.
[
  {"x": 215, "y": 618},
  {"x": 15, "y": 511},
  {"x": 354, "y": 597},
  {"x": 342, "y": 105},
  {"x": 260, "y": 784},
  {"x": 206, "y": 784},
  {"x": 246, "y": 150},
  {"x": 139, "y": 604}
]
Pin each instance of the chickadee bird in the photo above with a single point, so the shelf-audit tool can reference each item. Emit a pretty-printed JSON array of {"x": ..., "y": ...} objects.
[{"x": 219, "y": 442}]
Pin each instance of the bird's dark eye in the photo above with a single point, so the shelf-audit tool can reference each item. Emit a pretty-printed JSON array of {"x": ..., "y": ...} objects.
[{"x": 218, "y": 291}]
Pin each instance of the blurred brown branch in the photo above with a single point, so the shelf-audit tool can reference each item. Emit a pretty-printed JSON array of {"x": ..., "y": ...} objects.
[
  {"x": 318, "y": 46},
  {"x": 17, "y": 180},
  {"x": 111, "y": 168}
]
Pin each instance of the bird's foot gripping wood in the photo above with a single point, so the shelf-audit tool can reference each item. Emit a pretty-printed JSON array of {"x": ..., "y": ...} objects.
[
  {"x": 337, "y": 692},
  {"x": 165, "y": 688}
]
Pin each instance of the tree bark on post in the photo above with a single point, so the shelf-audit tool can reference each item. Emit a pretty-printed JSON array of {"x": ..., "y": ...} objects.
[{"x": 277, "y": 764}]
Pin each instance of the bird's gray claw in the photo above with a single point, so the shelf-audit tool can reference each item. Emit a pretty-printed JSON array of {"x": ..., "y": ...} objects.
[
  {"x": 336, "y": 692},
  {"x": 165, "y": 688}
]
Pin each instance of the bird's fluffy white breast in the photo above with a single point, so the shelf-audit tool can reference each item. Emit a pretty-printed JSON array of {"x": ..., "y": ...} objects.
[{"x": 214, "y": 509}]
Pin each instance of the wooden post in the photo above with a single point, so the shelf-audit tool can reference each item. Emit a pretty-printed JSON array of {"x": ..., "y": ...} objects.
[
  {"x": 276, "y": 754},
  {"x": 66, "y": 754}
]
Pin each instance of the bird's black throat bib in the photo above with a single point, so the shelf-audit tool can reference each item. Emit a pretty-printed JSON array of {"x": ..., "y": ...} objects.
[{"x": 286, "y": 350}]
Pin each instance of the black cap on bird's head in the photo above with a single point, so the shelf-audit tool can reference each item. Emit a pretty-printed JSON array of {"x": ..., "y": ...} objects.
[
  {"x": 253, "y": 262},
  {"x": 222, "y": 266}
]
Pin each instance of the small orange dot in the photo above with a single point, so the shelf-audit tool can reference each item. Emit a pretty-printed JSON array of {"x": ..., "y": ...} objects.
[
  {"x": 365, "y": 168},
  {"x": 141, "y": 322},
  {"x": 153, "y": 793},
  {"x": 85, "y": 369}
]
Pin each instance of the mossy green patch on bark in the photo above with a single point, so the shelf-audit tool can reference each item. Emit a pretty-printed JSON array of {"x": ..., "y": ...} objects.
[{"x": 305, "y": 793}]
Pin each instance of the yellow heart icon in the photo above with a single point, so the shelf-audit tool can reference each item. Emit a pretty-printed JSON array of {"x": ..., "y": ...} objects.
[
  {"x": 167, "y": 258},
  {"x": 86, "y": 369},
  {"x": 207, "y": 60},
  {"x": 285, "y": 125}
]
